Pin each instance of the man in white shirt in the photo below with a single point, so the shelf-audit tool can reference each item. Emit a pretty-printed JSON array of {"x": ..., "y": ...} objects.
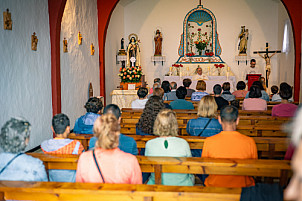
[
  {"x": 199, "y": 75},
  {"x": 142, "y": 99},
  {"x": 253, "y": 69}
]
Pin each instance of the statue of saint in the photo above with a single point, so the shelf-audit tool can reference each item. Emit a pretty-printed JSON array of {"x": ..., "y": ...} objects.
[
  {"x": 133, "y": 53},
  {"x": 7, "y": 20},
  {"x": 243, "y": 36},
  {"x": 158, "y": 43},
  {"x": 34, "y": 42},
  {"x": 65, "y": 49},
  {"x": 122, "y": 43}
]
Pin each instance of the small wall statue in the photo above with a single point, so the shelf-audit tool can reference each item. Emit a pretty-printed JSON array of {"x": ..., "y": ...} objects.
[
  {"x": 80, "y": 38},
  {"x": 92, "y": 49},
  {"x": 158, "y": 43},
  {"x": 133, "y": 51},
  {"x": 34, "y": 42},
  {"x": 65, "y": 49},
  {"x": 7, "y": 20},
  {"x": 243, "y": 36}
]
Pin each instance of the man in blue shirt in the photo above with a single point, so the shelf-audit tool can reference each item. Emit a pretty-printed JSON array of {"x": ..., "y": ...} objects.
[
  {"x": 126, "y": 144},
  {"x": 181, "y": 103}
]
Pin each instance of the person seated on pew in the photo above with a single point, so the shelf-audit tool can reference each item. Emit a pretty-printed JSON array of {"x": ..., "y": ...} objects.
[
  {"x": 264, "y": 95},
  {"x": 165, "y": 85},
  {"x": 206, "y": 124},
  {"x": 172, "y": 95},
  {"x": 107, "y": 163},
  {"x": 186, "y": 83},
  {"x": 160, "y": 93},
  {"x": 84, "y": 124},
  {"x": 140, "y": 103},
  {"x": 241, "y": 92},
  {"x": 226, "y": 94},
  {"x": 201, "y": 87},
  {"x": 126, "y": 144},
  {"x": 14, "y": 164},
  {"x": 275, "y": 97},
  {"x": 181, "y": 103},
  {"x": 221, "y": 102},
  {"x": 293, "y": 190},
  {"x": 254, "y": 102},
  {"x": 146, "y": 122},
  {"x": 156, "y": 84},
  {"x": 61, "y": 145},
  {"x": 285, "y": 109},
  {"x": 168, "y": 145},
  {"x": 229, "y": 144}
]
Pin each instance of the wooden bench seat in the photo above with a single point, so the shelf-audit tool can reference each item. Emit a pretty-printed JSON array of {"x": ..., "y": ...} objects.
[
  {"x": 55, "y": 191},
  {"x": 246, "y": 167},
  {"x": 267, "y": 147}
]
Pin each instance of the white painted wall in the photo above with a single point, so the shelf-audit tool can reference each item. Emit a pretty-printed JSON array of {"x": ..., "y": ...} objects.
[
  {"x": 143, "y": 17},
  {"x": 78, "y": 67},
  {"x": 25, "y": 78},
  {"x": 115, "y": 33}
]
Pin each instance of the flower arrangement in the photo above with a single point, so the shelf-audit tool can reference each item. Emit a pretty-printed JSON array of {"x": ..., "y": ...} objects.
[
  {"x": 177, "y": 65},
  {"x": 131, "y": 74},
  {"x": 191, "y": 54},
  {"x": 209, "y": 54},
  {"x": 202, "y": 41},
  {"x": 219, "y": 65}
]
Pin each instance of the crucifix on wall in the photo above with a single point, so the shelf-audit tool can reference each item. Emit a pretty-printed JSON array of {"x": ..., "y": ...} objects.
[{"x": 267, "y": 58}]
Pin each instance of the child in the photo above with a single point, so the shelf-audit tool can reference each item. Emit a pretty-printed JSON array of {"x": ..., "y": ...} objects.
[
  {"x": 61, "y": 145},
  {"x": 275, "y": 95}
]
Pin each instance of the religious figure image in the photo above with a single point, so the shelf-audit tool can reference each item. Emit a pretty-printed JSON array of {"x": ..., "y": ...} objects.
[
  {"x": 80, "y": 38},
  {"x": 122, "y": 43},
  {"x": 65, "y": 49},
  {"x": 199, "y": 75},
  {"x": 267, "y": 59},
  {"x": 158, "y": 43},
  {"x": 243, "y": 36},
  {"x": 7, "y": 20},
  {"x": 133, "y": 51},
  {"x": 92, "y": 49},
  {"x": 34, "y": 42}
]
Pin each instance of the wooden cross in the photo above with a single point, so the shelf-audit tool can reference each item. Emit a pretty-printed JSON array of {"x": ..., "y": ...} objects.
[{"x": 267, "y": 60}]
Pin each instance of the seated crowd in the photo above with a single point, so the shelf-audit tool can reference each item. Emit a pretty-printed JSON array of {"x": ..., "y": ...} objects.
[{"x": 111, "y": 156}]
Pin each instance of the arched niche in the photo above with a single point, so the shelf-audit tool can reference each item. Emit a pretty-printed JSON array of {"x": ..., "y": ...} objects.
[{"x": 199, "y": 40}]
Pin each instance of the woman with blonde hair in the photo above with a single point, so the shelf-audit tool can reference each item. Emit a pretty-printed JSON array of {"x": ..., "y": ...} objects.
[
  {"x": 167, "y": 144},
  {"x": 201, "y": 87},
  {"x": 206, "y": 124},
  {"x": 107, "y": 163}
]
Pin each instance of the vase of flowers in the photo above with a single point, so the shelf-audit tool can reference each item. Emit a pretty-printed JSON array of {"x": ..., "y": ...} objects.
[
  {"x": 219, "y": 67},
  {"x": 202, "y": 42},
  {"x": 131, "y": 74},
  {"x": 177, "y": 67}
]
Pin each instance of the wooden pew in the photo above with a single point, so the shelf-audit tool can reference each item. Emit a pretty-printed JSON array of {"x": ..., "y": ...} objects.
[
  {"x": 267, "y": 147},
  {"x": 190, "y": 165},
  {"x": 55, "y": 191}
]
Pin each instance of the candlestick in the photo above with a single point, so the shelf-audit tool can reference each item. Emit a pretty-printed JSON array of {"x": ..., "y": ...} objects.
[
  {"x": 170, "y": 69},
  {"x": 228, "y": 69},
  {"x": 208, "y": 70}
]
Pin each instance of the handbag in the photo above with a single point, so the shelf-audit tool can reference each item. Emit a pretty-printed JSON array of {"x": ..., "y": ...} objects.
[
  {"x": 205, "y": 127},
  {"x": 98, "y": 166}
]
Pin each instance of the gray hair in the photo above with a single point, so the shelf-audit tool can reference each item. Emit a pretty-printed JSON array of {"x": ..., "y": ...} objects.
[
  {"x": 296, "y": 127},
  {"x": 156, "y": 85},
  {"x": 14, "y": 134}
]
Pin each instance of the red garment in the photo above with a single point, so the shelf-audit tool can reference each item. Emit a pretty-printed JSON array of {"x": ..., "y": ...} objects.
[
  {"x": 284, "y": 110},
  {"x": 116, "y": 166},
  {"x": 229, "y": 144},
  {"x": 240, "y": 93},
  {"x": 254, "y": 104}
]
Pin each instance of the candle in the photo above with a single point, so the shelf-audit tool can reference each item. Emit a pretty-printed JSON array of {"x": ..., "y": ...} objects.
[
  {"x": 170, "y": 69},
  {"x": 228, "y": 69},
  {"x": 208, "y": 70},
  {"x": 187, "y": 68}
]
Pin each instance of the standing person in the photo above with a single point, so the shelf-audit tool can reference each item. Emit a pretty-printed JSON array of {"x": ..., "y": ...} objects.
[
  {"x": 201, "y": 91},
  {"x": 126, "y": 143},
  {"x": 84, "y": 124},
  {"x": 181, "y": 103},
  {"x": 221, "y": 102},
  {"x": 107, "y": 163},
  {"x": 252, "y": 69},
  {"x": 14, "y": 164},
  {"x": 167, "y": 144},
  {"x": 146, "y": 122},
  {"x": 172, "y": 95},
  {"x": 206, "y": 124},
  {"x": 241, "y": 92},
  {"x": 158, "y": 39},
  {"x": 254, "y": 102},
  {"x": 285, "y": 109},
  {"x": 199, "y": 75},
  {"x": 226, "y": 94},
  {"x": 140, "y": 103},
  {"x": 61, "y": 145},
  {"x": 229, "y": 144},
  {"x": 187, "y": 82}
]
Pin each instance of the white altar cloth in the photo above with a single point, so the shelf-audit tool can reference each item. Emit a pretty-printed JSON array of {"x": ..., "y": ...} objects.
[{"x": 210, "y": 83}]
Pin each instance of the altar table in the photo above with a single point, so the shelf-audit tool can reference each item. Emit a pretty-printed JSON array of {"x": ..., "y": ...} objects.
[
  {"x": 210, "y": 83},
  {"x": 123, "y": 98}
]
